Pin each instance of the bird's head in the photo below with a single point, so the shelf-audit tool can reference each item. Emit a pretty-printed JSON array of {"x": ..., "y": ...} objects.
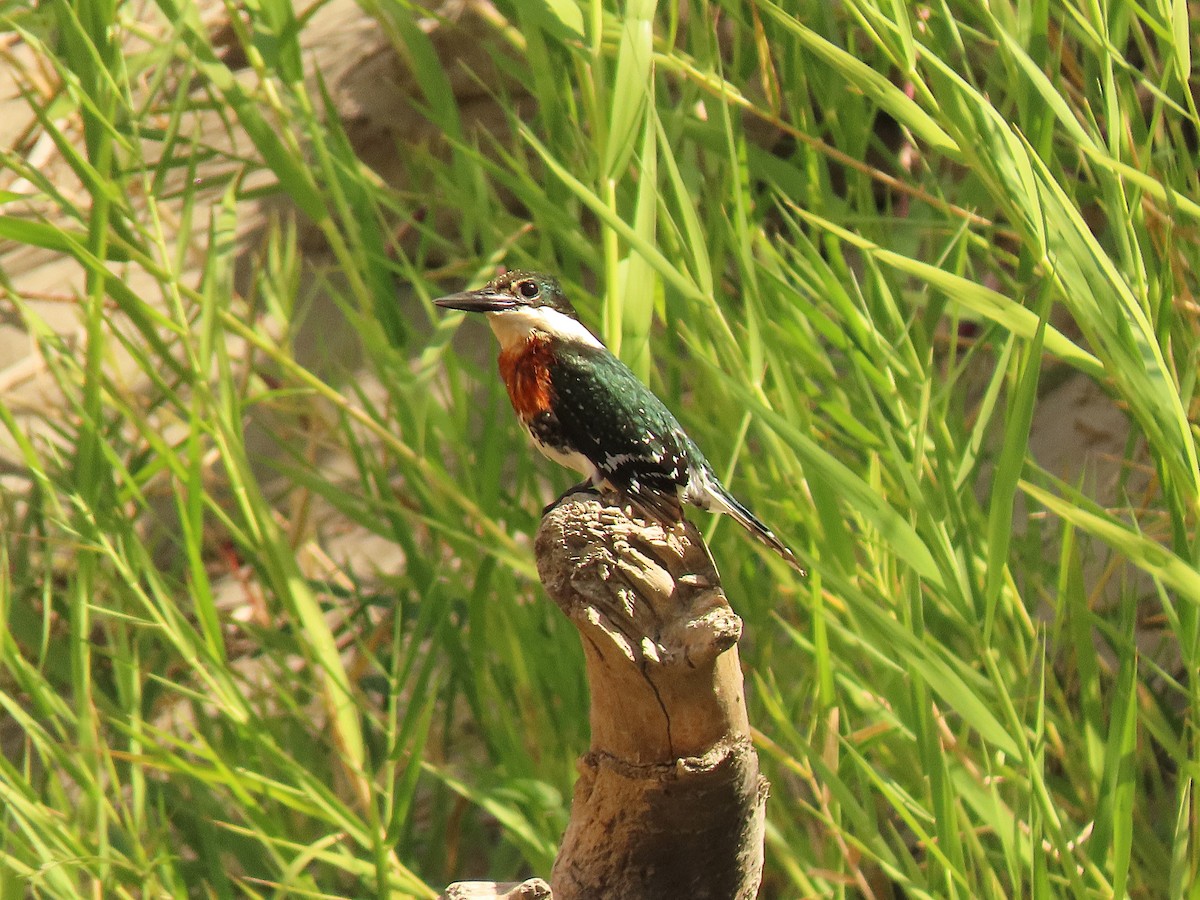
[{"x": 520, "y": 304}]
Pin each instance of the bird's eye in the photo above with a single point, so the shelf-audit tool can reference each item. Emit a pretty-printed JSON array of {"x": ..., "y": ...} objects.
[{"x": 529, "y": 289}]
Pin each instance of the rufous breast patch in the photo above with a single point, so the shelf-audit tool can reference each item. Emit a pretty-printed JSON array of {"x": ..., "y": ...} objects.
[{"x": 525, "y": 368}]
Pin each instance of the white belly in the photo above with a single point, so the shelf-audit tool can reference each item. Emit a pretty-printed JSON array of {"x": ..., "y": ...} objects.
[{"x": 569, "y": 458}]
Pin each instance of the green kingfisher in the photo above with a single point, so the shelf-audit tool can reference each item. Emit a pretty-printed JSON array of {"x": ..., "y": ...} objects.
[{"x": 585, "y": 409}]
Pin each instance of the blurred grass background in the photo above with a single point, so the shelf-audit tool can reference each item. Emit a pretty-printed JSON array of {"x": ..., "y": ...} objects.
[{"x": 920, "y": 279}]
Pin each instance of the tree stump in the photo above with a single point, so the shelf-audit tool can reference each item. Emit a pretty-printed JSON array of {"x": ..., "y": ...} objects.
[{"x": 669, "y": 803}]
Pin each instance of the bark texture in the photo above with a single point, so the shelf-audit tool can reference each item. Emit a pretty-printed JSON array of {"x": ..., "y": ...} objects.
[
  {"x": 533, "y": 889},
  {"x": 669, "y": 802}
]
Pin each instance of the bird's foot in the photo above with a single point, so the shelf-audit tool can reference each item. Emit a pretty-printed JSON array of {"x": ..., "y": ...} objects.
[{"x": 584, "y": 486}]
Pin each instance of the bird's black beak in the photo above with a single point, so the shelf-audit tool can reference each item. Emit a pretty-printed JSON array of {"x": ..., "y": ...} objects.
[{"x": 483, "y": 300}]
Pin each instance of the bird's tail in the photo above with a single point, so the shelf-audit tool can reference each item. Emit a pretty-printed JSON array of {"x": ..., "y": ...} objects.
[{"x": 720, "y": 500}]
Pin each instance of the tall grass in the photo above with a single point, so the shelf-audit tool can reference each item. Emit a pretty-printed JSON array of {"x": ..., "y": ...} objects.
[{"x": 859, "y": 249}]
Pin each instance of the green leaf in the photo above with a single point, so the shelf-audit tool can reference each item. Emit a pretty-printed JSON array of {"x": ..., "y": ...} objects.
[
  {"x": 1150, "y": 556},
  {"x": 562, "y": 19},
  {"x": 983, "y": 301},
  {"x": 633, "y": 87},
  {"x": 872, "y": 83},
  {"x": 68, "y": 241}
]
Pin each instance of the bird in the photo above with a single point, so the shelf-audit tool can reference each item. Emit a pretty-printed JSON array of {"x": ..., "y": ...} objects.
[{"x": 588, "y": 411}]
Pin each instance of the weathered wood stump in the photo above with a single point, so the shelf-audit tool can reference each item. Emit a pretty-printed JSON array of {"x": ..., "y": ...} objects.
[{"x": 669, "y": 803}]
